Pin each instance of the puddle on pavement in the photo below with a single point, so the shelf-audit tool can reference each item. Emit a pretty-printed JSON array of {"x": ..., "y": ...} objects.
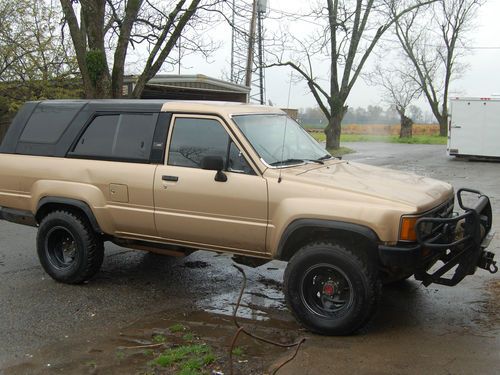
[
  {"x": 258, "y": 303},
  {"x": 262, "y": 299}
]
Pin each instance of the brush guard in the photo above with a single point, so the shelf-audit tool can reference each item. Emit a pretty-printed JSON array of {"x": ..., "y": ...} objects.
[{"x": 457, "y": 241}]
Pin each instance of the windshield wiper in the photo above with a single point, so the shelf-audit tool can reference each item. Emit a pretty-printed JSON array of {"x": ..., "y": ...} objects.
[
  {"x": 286, "y": 161},
  {"x": 290, "y": 161},
  {"x": 327, "y": 156}
]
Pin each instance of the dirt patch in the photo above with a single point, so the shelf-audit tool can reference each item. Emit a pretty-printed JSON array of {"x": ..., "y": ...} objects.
[{"x": 196, "y": 343}]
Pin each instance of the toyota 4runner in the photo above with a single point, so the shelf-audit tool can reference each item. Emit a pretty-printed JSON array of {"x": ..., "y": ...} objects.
[{"x": 173, "y": 177}]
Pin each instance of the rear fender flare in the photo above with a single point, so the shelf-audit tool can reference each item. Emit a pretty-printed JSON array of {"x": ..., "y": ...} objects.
[{"x": 69, "y": 202}]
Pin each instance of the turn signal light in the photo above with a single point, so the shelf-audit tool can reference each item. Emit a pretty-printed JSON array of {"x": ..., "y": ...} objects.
[{"x": 407, "y": 232}]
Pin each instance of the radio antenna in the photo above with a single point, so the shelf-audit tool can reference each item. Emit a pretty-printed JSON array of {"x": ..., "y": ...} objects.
[{"x": 286, "y": 122}]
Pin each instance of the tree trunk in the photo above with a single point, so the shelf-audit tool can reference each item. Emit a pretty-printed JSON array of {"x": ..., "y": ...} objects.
[
  {"x": 333, "y": 130},
  {"x": 443, "y": 126},
  {"x": 93, "y": 13},
  {"x": 78, "y": 37},
  {"x": 131, "y": 10},
  {"x": 406, "y": 127}
]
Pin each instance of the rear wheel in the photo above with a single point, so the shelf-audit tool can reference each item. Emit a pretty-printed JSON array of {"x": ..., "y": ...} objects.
[
  {"x": 68, "y": 248},
  {"x": 330, "y": 289}
]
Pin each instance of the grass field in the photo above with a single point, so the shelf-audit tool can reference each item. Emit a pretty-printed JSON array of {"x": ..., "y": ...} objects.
[
  {"x": 422, "y": 134},
  {"x": 416, "y": 139},
  {"x": 379, "y": 129},
  {"x": 341, "y": 151}
]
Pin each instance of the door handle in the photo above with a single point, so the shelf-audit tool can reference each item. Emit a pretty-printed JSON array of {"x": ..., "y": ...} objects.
[
  {"x": 170, "y": 178},
  {"x": 456, "y": 127}
]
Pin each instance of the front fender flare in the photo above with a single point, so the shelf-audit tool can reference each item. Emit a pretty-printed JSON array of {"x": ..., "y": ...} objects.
[{"x": 298, "y": 224}]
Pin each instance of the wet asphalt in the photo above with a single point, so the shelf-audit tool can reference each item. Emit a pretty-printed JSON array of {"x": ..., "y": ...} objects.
[{"x": 416, "y": 330}]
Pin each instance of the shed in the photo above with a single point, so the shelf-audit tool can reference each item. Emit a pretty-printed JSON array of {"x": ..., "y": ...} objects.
[{"x": 188, "y": 87}]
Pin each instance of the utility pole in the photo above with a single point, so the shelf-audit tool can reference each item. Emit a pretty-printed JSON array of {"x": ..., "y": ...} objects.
[
  {"x": 233, "y": 42},
  {"x": 261, "y": 57},
  {"x": 179, "y": 41},
  {"x": 251, "y": 42}
]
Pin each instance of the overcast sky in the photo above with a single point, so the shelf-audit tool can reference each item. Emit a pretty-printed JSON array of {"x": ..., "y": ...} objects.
[{"x": 482, "y": 78}]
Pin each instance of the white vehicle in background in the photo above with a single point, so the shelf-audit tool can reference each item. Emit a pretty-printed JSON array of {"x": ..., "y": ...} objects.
[{"x": 474, "y": 127}]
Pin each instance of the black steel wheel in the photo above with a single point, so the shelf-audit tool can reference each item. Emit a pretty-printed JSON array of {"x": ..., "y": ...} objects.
[
  {"x": 60, "y": 246},
  {"x": 331, "y": 290},
  {"x": 326, "y": 290},
  {"x": 68, "y": 249}
]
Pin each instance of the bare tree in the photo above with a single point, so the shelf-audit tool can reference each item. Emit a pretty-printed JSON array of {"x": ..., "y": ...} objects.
[
  {"x": 433, "y": 49},
  {"x": 399, "y": 92},
  {"x": 106, "y": 28},
  {"x": 351, "y": 32}
]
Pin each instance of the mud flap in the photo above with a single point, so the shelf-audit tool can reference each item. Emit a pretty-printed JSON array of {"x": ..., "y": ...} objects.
[{"x": 458, "y": 241}]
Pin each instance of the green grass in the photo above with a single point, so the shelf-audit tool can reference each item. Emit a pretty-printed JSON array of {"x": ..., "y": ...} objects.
[
  {"x": 208, "y": 359},
  {"x": 189, "y": 359},
  {"x": 416, "y": 139},
  {"x": 340, "y": 151},
  {"x": 238, "y": 351},
  {"x": 188, "y": 337},
  {"x": 158, "y": 338},
  {"x": 177, "y": 328}
]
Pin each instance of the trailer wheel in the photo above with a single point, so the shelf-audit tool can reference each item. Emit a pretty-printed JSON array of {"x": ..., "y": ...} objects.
[
  {"x": 68, "y": 249},
  {"x": 331, "y": 290}
]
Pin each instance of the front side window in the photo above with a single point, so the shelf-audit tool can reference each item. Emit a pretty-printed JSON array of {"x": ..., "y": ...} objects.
[
  {"x": 279, "y": 140},
  {"x": 195, "y": 138},
  {"x": 237, "y": 162}
]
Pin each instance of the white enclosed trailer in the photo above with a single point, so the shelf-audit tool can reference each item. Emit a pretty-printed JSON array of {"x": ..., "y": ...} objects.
[{"x": 474, "y": 127}]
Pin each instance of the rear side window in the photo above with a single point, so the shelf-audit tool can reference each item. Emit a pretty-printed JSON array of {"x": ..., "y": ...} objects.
[
  {"x": 127, "y": 136},
  {"x": 48, "y": 122}
]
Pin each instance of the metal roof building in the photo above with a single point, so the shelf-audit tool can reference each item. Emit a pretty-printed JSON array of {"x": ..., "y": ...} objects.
[{"x": 188, "y": 87}]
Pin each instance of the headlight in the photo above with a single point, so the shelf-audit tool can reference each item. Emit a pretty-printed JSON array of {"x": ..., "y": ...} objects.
[{"x": 407, "y": 228}]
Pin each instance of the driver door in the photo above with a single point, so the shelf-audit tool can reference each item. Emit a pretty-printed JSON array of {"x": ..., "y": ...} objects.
[{"x": 191, "y": 207}]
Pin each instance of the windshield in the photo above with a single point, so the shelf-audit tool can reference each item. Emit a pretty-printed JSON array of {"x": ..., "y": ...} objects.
[{"x": 277, "y": 146}]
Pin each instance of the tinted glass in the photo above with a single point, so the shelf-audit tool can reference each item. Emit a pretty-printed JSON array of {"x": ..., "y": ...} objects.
[
  {"x": 193, "y": 139},
  {"x": 135, "y": 136},
  {"x": 237, "y": 162},
  {"x": 49, "y": 121},
  {"x": 99, "y": 137},
  {"x": 125, "y": 136}
]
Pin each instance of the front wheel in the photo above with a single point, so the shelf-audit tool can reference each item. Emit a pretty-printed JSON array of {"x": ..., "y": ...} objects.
[{"x": 331, "y": 290}]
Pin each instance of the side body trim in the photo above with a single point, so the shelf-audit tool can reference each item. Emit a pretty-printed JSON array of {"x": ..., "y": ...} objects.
[{"x": 17, "y": 216}]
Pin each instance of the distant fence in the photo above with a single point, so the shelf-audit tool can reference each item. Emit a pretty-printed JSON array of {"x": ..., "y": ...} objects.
[{"x": 381, "y": 129}]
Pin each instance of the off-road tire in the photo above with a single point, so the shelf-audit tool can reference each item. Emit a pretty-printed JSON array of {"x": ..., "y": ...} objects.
[
  {"x": 87, "y": 247},
  {"x": 361, "y": 277}
]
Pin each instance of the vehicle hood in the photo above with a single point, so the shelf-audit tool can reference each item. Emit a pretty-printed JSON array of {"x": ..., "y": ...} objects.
[{"x": 421, "y": 193}]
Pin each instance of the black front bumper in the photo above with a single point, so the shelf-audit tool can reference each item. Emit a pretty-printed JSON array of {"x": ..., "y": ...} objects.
[{"x": 455, "y": 244}]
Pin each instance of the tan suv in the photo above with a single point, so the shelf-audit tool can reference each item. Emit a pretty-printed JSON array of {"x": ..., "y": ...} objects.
[{"x": 172, "y": 177}]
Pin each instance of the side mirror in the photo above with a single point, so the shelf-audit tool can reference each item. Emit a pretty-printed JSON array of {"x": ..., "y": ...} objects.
[{"x": 214, "y": 163}]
